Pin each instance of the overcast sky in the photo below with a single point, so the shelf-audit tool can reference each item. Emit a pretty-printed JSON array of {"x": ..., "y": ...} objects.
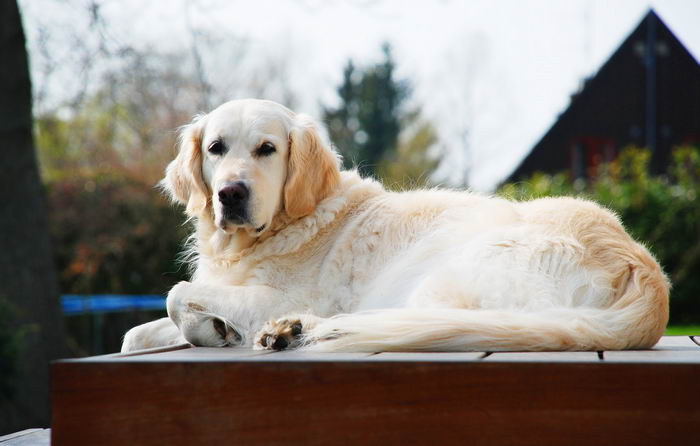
[{"x": 492, "y": 76}]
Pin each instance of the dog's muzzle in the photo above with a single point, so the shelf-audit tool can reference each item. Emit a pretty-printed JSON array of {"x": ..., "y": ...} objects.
[{"x": 234, "y": 202}]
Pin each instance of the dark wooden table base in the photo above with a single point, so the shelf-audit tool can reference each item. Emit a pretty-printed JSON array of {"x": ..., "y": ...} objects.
[{"x": 230, "y": 396}]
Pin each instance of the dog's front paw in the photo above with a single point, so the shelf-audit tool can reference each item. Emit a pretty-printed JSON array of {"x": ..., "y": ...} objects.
[
  {"x": 158, "y": 333},
  {"x": 280, "y": 334},
  {"x": 205, "y": 329},
  {"x": 226, "y": 333}
]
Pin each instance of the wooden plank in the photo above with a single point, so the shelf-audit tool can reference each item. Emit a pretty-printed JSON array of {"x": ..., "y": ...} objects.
[
  {"x": 28, "y": 437},
  {"x": 19, "y": 434},
  {"x": 302, "y": 356},
  {"x": 676, "y": 343},
  {"x": 374, "y": 402},
  {"x": 148, "y": 351},
  {"x": 427, "y": 357},
  {"x": 210, "y": 354},
  {"x": 654, "y": 356},
  {"x": 571, "y": 357},
  {"x": 203, "y": 354}
]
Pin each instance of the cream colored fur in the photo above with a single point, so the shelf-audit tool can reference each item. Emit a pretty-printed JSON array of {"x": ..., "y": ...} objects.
[{"x": 344, "y": 265}]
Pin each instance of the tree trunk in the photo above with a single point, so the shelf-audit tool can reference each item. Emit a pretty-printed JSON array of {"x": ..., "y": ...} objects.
[{"x": 27, "y": 275}]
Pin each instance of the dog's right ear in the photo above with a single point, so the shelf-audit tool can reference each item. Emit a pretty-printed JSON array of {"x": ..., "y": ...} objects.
[{"x": 183, "y": 177}]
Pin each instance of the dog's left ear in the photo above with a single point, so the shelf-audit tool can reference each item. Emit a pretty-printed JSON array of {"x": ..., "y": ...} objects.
[
  {"x": 312, "y": 171},
  {"x": 183, "y": 176}
]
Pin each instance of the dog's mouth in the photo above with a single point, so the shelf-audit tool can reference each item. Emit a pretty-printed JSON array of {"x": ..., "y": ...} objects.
[
  {"x": 231, "y": 223},
  {"x": 237, "y": 215},
  {"x": 233, "y": 217}
]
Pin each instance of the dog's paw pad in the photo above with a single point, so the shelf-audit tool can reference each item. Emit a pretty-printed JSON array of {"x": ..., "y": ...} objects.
[{"x": 279, "y": 335}]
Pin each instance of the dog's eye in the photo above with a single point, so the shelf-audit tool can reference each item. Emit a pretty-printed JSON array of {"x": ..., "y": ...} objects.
[
  {"x": 216, "y": 148},
  {"x": 265, "y": 149}
]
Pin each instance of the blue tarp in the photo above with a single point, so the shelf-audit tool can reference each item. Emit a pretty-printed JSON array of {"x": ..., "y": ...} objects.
[{"x": 106, "y": 303}]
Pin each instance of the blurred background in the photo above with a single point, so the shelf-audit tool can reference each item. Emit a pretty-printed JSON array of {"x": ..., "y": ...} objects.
[{"x": 519, "y": 98}]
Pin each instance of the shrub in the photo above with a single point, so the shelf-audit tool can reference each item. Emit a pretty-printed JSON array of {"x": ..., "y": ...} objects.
[
  {"x": 12, "y": 338},
  {"x": 114, "y": 234}
]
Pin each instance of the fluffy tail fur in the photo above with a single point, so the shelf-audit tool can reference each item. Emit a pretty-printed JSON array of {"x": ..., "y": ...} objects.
[{"x": 636, "y": 320}]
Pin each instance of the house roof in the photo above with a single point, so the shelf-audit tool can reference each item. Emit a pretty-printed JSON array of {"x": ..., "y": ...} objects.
[{"x": 636, "y": 97}]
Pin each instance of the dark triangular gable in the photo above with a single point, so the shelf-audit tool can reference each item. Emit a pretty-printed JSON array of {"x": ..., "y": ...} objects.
[{"x": 639, "y": 98}]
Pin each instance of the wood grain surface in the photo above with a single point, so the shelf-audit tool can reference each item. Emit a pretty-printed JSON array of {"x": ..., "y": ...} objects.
[{"x": 230, "y": 396}]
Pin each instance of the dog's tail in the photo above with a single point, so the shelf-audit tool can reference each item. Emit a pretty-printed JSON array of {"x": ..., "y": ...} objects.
[{"x": 636, "y": 320}]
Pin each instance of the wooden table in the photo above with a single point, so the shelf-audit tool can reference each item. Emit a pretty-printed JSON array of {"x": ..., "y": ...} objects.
[{"x": 184, "y": 395}]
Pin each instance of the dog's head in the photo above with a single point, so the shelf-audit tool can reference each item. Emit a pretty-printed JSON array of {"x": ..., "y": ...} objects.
[{"x": 246, "y": 161}]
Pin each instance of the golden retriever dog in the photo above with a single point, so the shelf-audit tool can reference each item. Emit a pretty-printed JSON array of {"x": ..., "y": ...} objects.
[{"x": 291, "y": 252}]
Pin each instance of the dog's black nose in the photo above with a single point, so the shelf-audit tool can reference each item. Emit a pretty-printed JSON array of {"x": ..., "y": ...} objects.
[{"x": 234, "y": 194}]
